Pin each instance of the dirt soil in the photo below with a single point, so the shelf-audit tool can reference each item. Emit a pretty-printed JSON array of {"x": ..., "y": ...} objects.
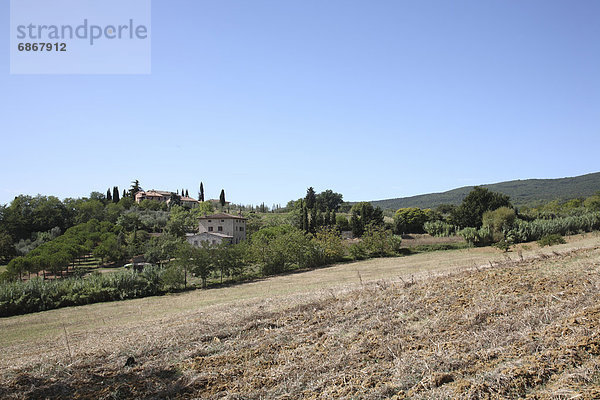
[{"x": 516, "y": 329}]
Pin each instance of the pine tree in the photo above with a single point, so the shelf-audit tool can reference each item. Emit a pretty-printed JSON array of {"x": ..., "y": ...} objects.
[
  {"x": 135, "y": 187},
  {"x": 201, "y": 193},
  {"x": 115, "y": 196},
  {"x": 108, "y": 195}
]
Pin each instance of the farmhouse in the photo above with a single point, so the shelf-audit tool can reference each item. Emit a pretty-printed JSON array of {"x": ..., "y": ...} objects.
[
  {"x": 219, "y": 228},
  {"x": 164, "y": 197},
  {"x": 217, "y": 203}
]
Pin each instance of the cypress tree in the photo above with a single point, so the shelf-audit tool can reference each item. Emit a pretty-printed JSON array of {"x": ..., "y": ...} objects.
[
  {"x": 312, "y": 227},
  {"x": 108, "y": 195},
  {"x": 311, "y": 198},
  {"x": 115, "y": 196},
  {"x": 201, "y": 193},
  {"x": 187, "y": 194},
  {"x": 333, "y": 218},
  {"x": 222, "y": 198},
  {"x": 327, "y": 220},
  {"x": 124, "y": 193},
  {"x": 320, "y": 219},
  {"x": 305, "y": 225}
]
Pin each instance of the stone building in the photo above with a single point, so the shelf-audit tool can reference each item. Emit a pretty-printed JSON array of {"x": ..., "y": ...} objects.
[{"x": 219, "y": 228}]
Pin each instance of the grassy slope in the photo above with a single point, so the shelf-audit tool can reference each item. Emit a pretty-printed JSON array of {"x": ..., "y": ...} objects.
[
  {"x": 508, "y": 330},
  {"x": 521, "y": 192}
]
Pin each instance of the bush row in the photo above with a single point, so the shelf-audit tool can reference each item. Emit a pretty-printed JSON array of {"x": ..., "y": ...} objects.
[{"x": 22, "y": 297}]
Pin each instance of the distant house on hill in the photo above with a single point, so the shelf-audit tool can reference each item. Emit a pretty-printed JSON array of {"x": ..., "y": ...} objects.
[
  {"x": 164, "y": 197},
  {"x": 219, "y": 228},
  {"x": 217, "y": 203}
]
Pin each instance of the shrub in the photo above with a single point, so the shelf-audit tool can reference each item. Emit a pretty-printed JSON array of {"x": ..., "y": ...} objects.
[
  {"x": 439, "y": 228},
  {"x": 551, "y": 240},
  {"x": 357, "y": 251},
  {"x": 40, "y": 295},
  {"x": 499, "y": 221}
]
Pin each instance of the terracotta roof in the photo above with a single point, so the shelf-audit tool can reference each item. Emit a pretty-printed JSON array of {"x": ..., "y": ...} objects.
[
  {"x": 222, "y": 216},
  {"x": 189, "y": 199},
  {"x": 158, "y": 192}
]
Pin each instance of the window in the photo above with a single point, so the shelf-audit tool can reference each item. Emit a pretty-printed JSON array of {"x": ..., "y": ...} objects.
[
  {"x": 222, "y": 220},
  {"x": 210, "y": 228},
  {"x": 220, "y": 229},
  {"x": 241, "y": 229},
  {"x": 209, "y": 220}
]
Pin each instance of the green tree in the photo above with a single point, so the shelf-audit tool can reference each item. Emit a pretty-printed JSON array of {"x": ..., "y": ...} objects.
[
  {"x": 222, "y": 198},
  {"x": 329, "y": 200},
  {"x": 499, "y": 221},
  {"x": 477, "y": 202},
  {"x": 380, "y": 242},
  {"x": 135, "y": 187},
  {"x": 228, "y": 259},
  {"x": 175, "y": 200},
  {"x": 275, "y": 249},
  {"x": 180, "y": 221},
  {"x": 312, "y": 226},
  {"x": 7, "y": 248},
  {"x": 330, "y": 244},
  {"x": 201, "y": 193},
  {"x": 409, "y": 220},
  {"x": 86, "y": 210},
  {"x": 108, "y": 196},
  {"x": 310, "y": 199},
  {"x": 17, "y": 266},
  {"x": 305, "y": 224},
  {"x": 26, "y": 215},
  {"x": 342, "y": 224},
  {"x": 115, "y": 196},
  {"x": 363, "y": 215},
  {"x": 198, "y": 260}
]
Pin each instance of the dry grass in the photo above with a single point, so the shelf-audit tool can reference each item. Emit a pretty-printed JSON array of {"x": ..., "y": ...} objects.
[
  {"x": 460, "y": 329},
  {"x": 425, "y": 239}
]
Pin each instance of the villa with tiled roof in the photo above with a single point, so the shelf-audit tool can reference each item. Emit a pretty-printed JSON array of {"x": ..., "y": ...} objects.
[{"x": 219, "y": 228}]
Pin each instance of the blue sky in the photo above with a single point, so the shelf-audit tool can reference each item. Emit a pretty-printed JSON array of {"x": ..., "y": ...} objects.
[{"x": 372, "y": 99}]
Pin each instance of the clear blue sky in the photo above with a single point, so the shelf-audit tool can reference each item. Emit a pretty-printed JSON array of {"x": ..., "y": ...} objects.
[{"x": 372, "y": 99}]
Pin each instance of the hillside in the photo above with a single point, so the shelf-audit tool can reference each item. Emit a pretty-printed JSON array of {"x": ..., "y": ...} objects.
[
  {"x": 521, "y": 192},
  {"x": 505, "y": 329}
]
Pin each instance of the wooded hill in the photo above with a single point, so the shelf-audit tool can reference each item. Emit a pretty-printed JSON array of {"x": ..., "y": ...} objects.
[{"x": 529, "y": 192}]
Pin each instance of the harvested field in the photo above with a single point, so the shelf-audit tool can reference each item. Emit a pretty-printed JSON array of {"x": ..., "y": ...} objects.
[{"x": 512, "y": 329}]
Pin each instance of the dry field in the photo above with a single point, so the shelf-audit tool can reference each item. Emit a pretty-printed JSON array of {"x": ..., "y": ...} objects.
[{"x": 471, "y": 323}]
